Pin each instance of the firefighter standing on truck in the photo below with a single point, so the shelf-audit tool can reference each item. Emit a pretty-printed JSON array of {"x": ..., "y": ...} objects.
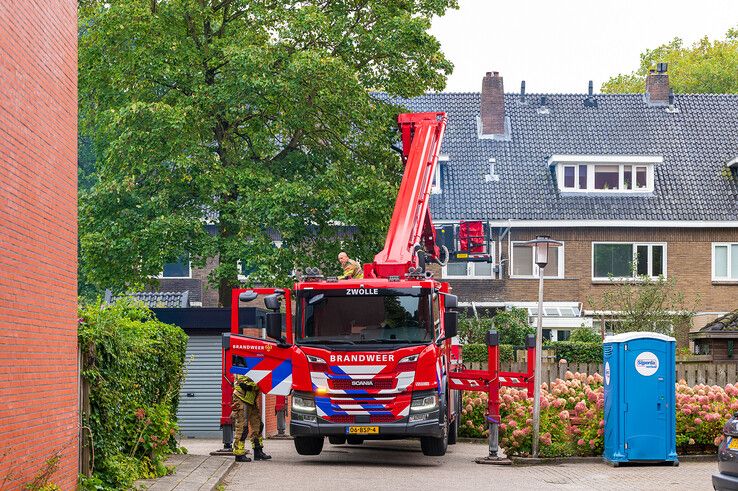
[
  {"x": 351, "y": 268},
  {"x": 246, "y": 410}
]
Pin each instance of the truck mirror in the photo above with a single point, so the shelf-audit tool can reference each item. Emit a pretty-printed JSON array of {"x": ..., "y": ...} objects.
[
  {"x": 272, "y": 301},
  {"x": 247, "y": 296},
  {"x": 450, "y": 324},
  {"x": 274, "y": 325},
  {"x": 451, "y": 301}
]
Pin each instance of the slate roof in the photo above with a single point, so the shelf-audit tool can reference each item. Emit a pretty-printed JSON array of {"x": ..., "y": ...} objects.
[
  {"x": 728, "y": 322},
  {"x": 691, "y": 183},
  {"x": 154, "y": 299}
]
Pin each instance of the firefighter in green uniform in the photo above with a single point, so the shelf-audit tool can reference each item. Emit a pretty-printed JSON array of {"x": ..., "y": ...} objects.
[
  {"x": 246, "y": 414},
  {"x": 351, "y": 268}
]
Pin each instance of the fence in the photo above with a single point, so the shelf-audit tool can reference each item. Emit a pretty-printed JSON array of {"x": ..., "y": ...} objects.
[{"x": 694, "y": 373}]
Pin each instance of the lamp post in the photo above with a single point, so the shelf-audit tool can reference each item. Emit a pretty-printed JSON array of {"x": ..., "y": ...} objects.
[{"x": 540, "y": 246}]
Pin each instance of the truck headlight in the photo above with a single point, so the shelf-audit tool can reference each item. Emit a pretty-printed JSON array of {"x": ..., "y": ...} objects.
[
  {"x": 409, "y": 359},
  {"x": 427, "y": 403},
  {"x": 303, "y": 404}
]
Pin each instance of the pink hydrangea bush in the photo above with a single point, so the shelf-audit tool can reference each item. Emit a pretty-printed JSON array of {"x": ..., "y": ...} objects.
[
  {"x": 572, "y": 417},
  {"x": 702, "y": 411}
]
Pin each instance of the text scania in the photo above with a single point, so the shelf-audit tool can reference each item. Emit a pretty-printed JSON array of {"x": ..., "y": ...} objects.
[
  {"x": 362, "y": 291},
  {"x": 364, "y": 358}
]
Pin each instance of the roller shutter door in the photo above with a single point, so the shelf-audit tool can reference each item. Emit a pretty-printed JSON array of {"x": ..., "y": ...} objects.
[{"x": 199, "y": 400}]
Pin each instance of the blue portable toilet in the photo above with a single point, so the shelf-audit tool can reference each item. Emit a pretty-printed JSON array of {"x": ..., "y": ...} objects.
[{"x": 640, "y": 398}]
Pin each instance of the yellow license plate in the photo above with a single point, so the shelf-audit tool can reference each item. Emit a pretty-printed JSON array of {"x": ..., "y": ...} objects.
[
  {"x": 362, "y": 430},
  {"x": 733, "y": 445}
]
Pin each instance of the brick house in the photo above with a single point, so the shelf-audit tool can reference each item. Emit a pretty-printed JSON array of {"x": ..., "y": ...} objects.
[
  {"x": 38, "y": 207},
  {"x": 649, "y": 180}
]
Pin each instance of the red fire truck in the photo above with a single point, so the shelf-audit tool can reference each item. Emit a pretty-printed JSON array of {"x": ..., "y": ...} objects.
[{"x": 364, "y": 358}]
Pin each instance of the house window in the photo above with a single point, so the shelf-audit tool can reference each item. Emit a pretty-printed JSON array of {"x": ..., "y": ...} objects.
[
  {"x": 725, "y": 262},
  {"x": 569, "y": 176},
  {"x": 605, "y": 174},
  {"x": 469, "y": 269},
  {"x": 178, "y": 269},
  {"x": 524, "y": 266},
  {"x": 627, "y": 260},
  {"x": 583, "y": 177},
  {"x": 244, "y": 270},
  {"x": 436, "y": 183},
  {"x": 606, "y": 177}
]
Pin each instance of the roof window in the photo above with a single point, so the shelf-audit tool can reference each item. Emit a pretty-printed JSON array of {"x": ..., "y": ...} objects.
[{"x": 604, "y": 174}]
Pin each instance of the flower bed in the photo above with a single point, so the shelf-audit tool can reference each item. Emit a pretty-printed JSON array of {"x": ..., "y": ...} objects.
[{"x": 572, "y": 417}]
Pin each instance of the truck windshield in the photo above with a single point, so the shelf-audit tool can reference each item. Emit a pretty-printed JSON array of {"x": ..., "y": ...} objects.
[{"x": 385, "y": 319}]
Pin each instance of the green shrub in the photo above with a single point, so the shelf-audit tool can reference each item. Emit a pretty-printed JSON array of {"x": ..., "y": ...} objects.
[
  {"x": 585, "y": 335},
  {"x": 477, "y": 353},
  {"x": 576, "y": 352},
  {"x": 134, "y": 366},
  {"x": 511, "y": 325}
]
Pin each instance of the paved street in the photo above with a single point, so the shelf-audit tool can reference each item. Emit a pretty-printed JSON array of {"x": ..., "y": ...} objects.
[{"x": 400, "y": 465}]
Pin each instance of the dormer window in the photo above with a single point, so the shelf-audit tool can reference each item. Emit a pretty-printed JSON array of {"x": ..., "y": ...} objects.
[{"x": 604, "y": 173}]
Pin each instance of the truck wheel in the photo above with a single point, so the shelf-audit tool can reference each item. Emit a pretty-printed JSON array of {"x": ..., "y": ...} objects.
[
  {"x": 354, "y": 440},
  {"x": 336, "y": 440},
  {"x": 436, "y": 447},
  {"x": 308, "y": 445}
]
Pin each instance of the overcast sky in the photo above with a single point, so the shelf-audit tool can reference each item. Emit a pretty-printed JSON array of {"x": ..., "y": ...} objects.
[{"x": 559, "y": 45}]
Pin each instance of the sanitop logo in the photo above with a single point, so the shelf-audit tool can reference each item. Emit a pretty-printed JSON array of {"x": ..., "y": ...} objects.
[{"x": 647, "y": 363}]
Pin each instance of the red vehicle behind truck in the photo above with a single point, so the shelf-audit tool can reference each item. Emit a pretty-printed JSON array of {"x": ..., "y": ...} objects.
[{"x": 364, "y": 358}]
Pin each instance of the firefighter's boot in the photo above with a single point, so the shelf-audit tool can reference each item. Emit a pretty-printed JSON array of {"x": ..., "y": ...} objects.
[
  {"x": 239, "y": 451},
  {"x": 260, "y": 455}
]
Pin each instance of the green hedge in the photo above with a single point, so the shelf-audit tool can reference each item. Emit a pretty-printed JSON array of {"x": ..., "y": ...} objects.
[
  {"x": 134, "y": 367},
  {"x": 576, "y": 352},
  {"x": 478, "y": 353}
]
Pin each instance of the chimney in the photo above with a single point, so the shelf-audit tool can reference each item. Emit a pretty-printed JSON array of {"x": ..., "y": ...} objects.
[
  {"x": 657, "y": 86},
  {"x": 493, "y": 105}
]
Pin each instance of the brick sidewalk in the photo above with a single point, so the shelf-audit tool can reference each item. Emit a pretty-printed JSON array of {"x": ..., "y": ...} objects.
[
  {"x": 400, "y": 465},
  {"x": 196, "y": 471}
]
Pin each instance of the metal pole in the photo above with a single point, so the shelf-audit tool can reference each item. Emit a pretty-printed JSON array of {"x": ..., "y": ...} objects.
[
  {"x": 537, "y": 372},
  {"x": 494, "y": 446}
]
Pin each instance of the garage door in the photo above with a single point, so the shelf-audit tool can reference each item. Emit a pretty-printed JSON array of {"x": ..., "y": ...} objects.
[{"x": 199, "y": 400}]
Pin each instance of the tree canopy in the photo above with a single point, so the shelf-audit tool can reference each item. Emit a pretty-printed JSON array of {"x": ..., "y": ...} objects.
[
  {"x": 253, "y": 116},
  {"x": 703, "y": 67}
]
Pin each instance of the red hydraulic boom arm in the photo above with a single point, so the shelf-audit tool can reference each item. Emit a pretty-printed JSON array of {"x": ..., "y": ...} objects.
[{"x": 411, "y": 227}]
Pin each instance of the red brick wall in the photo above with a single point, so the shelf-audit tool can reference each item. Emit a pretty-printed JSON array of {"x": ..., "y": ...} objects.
[{"x": 38, "y": 262}]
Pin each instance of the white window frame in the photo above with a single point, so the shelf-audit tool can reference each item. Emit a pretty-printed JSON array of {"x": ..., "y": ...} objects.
[
  {"x": 634, "y": 246},
  {"x": 436, "y": 183},
  {"x": 723, "y": 279},
  {"x": 559, "y": 275},
  {"x": 189, "y": 277},
  {"x": 470, "y": 273},
  {"x": 591, "y": 161},
  {"x": 242, "y": 277}
]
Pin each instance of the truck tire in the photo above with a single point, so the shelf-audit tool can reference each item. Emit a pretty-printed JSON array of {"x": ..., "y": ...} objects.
[
  {"x": 354, "y": 440},
  {"x": 309, "y": 445},
  {"x": 336, "y": 440},
  {"x": 436, "y": 447}
]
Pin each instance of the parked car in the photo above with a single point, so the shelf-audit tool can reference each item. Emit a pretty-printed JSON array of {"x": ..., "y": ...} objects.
[{"x": 727, "y": 477}]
